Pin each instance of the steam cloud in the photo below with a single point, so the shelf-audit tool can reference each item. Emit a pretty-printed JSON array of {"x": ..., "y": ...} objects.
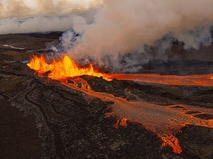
[
  {"x": 121, "y": 27},
  {"x": 125, "y": 26},
  {"x": 23, "y": 16}
]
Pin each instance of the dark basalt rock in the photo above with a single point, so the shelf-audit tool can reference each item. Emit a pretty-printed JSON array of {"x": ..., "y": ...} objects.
[
  {"x": 73, "y": 127},
  {"x": 204, "y": 116},
  {"x": 196, "y": 142}
]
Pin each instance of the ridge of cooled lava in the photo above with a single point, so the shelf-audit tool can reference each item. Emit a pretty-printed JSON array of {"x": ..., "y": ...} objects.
[
  {"x": 163, "y": 121},
  {"x": 88, "y": 116}
]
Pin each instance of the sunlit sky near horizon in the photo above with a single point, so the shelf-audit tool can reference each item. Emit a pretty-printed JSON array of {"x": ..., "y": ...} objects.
[
  {"x": 30, "y": 8},
  {"x": 34, "y": 3},
  {"x": 29, "y": 3}
]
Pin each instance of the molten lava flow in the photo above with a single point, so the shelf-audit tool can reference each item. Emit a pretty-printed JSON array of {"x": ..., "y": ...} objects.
[
  {"x": 66, "y": 67},
  {"x": 61, "y": 69},
  {"x": 195, "y": 80},
  {"x": 164, "y": 121}
]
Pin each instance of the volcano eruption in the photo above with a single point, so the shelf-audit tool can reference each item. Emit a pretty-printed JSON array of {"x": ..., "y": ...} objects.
[
  {"x": 109, "y": 79},
  {"x": 138, "y": 110}
]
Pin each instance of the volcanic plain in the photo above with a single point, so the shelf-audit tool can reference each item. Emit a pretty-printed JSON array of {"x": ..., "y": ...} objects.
[{"x": 42, "y": 118}]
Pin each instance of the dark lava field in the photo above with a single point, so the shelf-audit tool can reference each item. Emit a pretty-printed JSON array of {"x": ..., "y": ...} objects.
[{"x": 42, "y": 118}]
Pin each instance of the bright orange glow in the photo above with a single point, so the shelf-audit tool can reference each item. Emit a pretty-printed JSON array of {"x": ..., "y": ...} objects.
[
  {"x": 61, "y": 69},
  {"x": 163, "y": 121},
  {"x": 195, "y": 80},
  {"x": 116, "y": 125},
  {"x": 119, "y": 123},
  {"x": 66, "y": 67},
  {"x": 173, "y": 142},
  {"x": 123, "y": 122}
]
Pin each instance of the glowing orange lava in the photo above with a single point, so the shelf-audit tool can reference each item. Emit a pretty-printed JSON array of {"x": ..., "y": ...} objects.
[
  {"x": 163, "y": 121},
  {"x": 66, "y": 67},
  {"x": 195, "y": 80},
  {"x": 61, "y": 69}
]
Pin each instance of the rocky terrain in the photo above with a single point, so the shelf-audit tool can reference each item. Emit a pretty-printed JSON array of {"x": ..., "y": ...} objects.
[{"x": 60, "y": 123}]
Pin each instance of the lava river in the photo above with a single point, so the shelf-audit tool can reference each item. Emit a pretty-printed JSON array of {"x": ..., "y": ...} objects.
[{"x": 165, "y": 121}]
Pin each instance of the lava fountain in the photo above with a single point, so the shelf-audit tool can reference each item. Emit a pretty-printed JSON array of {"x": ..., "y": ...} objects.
[
  {"x": 61, "y": 69},
  {"x": 164, "y": 121},
  {"x": 66, "y": 68}
]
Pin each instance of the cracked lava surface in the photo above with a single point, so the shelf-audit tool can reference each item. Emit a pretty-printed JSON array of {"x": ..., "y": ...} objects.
[{"x": 164, "y": 121}]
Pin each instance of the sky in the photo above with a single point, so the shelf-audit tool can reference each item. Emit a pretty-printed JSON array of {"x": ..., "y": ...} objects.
[
  {"x": 26, "y": 8},
  {"x": 24, "y": 16}
]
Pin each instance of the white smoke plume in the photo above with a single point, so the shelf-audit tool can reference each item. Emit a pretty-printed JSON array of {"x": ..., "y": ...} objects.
[
  {"x": 126, "y": 26},
  {"x": 118, "y": 30},
  {"x": 43, "y": 23}
]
